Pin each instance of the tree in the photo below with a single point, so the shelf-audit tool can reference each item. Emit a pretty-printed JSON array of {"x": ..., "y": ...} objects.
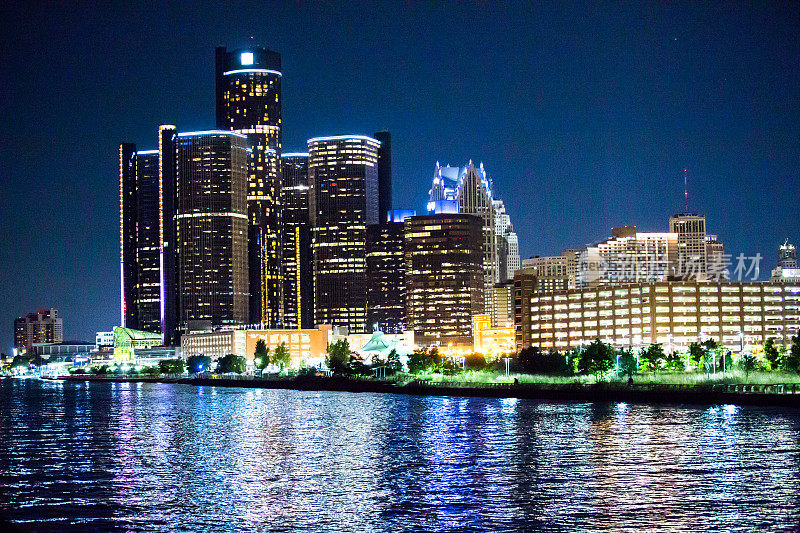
[
  {"x": 232, "y": 363},
  {"x": 474, "y": 361},
  {"x": 596, "y": 359},
  {"x": 675, "y": 361},
  {"x": 338, "y": 356},
  {"x": 261, "y": 355},
  {"x": 627, "y": 363},
  {"x": 652, "y": 357},
  {"x": 281, "y": 356},
  {"x": 198, "y": 363},
  {"x": 697, "y": 354},
  {"x": 747, "y": 362},
  {"x": 772, "y": 354},
  {"x": 423, "y": 359},
  {"x": 393, "y": 363},
  {"x": 171, "y": 366},
  {"x": 791, "y": 363}
]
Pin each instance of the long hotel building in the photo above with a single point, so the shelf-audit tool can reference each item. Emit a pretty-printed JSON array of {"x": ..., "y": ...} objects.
[{"x": 672, "y": 313}]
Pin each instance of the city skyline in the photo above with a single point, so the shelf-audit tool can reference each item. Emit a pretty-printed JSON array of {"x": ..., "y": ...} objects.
[{"x": 534, "y": 159}]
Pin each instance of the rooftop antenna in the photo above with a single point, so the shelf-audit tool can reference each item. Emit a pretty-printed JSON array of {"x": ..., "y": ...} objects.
[{"x": 685, "y": 192}]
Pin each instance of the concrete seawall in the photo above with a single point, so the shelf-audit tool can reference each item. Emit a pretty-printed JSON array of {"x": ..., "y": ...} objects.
[{"x": 572, "y": 392}]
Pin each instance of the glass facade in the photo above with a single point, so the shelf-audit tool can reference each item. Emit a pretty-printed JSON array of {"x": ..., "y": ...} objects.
[
  {"x": 343, "y": 182},
  {"x": 298, "y": 273}
]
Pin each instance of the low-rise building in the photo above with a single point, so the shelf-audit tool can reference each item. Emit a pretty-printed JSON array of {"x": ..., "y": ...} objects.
[
  {"x": 127, "y": 341},
  {"x": 491, "y": 341}
]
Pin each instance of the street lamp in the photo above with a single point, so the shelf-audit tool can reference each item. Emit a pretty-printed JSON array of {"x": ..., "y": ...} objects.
[{"x": 508, "y": 361}]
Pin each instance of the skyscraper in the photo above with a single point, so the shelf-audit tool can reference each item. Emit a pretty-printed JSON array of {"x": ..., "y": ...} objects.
[
  {"x": 444, "y": 277},
  {"x": 343, "y": 181},
  {"x": 298, "y": 271},
  {"x": 248, "y": 90},
  {"x": 44, "y": 326},
  {"x": 147, "y": 294},
  {"x": 127, "y": 234},
  {"x": 787, "y": 255},
  {"x": 474, "y": 197},
  {"x": 211, "y": 228},
  {"x": 691, "y": 258},
  {"x": 384, "y": 176},
  {"x": 167, "y": 184},
  {"x": 386, "y": 284}
]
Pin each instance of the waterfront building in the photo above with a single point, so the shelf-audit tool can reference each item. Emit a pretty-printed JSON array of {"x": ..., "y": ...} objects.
[
  {"x": 214, "y": 344},
  {"x": 490, "y": 340},
  {"x": 168, "y": 182},
  {"x": 386, "y": 283},
  {"x": 741, "y": 316},
  {"x": 343, "y": 186},
  {"x": 307, "y": 346},
  {"x": 128, "y": 341},
  {"x": 248, "y": 94},
  {"x": 73, "y": 351},
  {"x": 103, "y": 339},
  {"x": 298, "y": 271},
  {"x": 127, "y": 233},
  {"x": 211, "y": 228},
  {"x": 42, "y": 327},
  {"x": 444, "y": 277},
  {"x": 691, "y": 257}
]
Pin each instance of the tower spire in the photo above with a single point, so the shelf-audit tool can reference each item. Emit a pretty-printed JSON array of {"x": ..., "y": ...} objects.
[{"x": 685, "y": 191}]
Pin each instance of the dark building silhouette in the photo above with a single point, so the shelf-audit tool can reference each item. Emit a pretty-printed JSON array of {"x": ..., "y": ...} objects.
[
  {"x": 343, "y": 182},
  {"x": 444, "y": 277},
  {"x": 298, "y": 271},
  {"x": 386, "y": 284},
  {"x": 248, "y": 98},
  {"x": 147, "y": 289},
  {"x": 211, "y": 228},
  {"x": 384, "y": 175},
  {"x": 168, "y": 179},
  {"x": 127, "y": 234}
]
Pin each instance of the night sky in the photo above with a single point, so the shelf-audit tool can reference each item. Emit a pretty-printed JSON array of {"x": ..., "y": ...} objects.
[{"x": 585, "y": 117}]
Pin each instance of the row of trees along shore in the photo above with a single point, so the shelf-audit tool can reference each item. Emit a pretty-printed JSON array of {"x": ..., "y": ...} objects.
[{"x": 598, "y": 359}]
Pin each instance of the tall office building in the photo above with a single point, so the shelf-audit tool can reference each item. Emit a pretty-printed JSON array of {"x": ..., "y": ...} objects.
[
  {"x": 787, "y": 255},
  {"x": 691, "y": 260},
  {"x": 127, "y": 234},
  {"x": 386, "y": 283},
  {"x": 44, "y": 326},
  {"x": 444, "y": 277},
  {"x": 508, "y": 260},
  {"x": 248, "y": 90},
  {"x": 298, "y": 271},
  {"x": 384, "y": 176},
  {"x": 474, "y": 197},
  {"x": 167, "y": 184},
  {"x": 211, "y": 228},
  {"x": 147, "y": 289},
  {"x": 343, "y": 182}
]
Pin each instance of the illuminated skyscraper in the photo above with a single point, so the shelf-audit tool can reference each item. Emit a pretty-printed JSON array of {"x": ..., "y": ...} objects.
[
  {"x": 42, "y": 327},
  {"x": 298, "y": 270},
  {"x": 384, "y": 175},
  {"x": 167, "y": 184},
  {"x": 444, "y": 278},
  {"x": 691, "y": 258},
  {"x": 211, "y": 228},
  {"x": 147, "y": 297},
  {"x": 343, "y": 181},
  {"x": 474, "y": 196},
  {"x": 127, "y": 235},
  {"x": 386, "y": 283},
  {"x": 248, "y": 90}
]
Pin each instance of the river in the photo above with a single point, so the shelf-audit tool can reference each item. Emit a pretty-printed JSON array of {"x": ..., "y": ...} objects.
[{"x": 161, "y": 457}]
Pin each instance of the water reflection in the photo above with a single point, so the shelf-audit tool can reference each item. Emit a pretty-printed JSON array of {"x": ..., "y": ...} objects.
[{"x": 160, "y": 457}]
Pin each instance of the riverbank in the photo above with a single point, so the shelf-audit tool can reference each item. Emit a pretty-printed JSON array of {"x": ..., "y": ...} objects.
[{"x": 711, "y": 394}]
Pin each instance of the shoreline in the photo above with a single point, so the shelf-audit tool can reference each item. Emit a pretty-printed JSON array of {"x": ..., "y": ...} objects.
[{"x": 761, "y": 395}]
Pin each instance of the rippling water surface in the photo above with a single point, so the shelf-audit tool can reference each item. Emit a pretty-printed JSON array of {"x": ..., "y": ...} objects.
[{"x": 164, "y": 457}]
